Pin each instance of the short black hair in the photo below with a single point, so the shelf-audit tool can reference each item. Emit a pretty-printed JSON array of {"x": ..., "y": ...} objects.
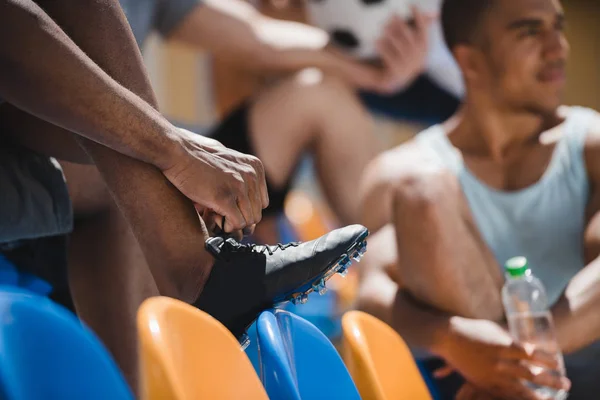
[{"x": 461, "y": 20}]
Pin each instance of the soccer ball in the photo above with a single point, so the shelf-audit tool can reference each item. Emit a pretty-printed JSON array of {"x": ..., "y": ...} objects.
[{"x": 355, "y": 26}]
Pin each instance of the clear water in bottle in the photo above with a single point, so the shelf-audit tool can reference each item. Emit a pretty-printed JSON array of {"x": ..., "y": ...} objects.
[{"x": 529, "y": 319}]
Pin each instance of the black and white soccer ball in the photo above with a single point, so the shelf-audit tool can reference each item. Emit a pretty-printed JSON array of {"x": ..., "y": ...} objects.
[{"x": 355, "y": 26}]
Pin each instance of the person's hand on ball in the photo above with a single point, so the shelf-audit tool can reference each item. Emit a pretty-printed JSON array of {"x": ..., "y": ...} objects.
[{"x": 403, "y": 48}]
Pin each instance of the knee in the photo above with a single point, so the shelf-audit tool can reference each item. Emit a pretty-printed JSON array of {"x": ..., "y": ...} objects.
[
  {"x": 422, "y": 194},
  {"x": 314, "y": 85}
]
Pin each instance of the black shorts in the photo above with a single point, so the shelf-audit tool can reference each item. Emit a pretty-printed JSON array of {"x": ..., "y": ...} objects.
[{"x": 234, "y": 132}]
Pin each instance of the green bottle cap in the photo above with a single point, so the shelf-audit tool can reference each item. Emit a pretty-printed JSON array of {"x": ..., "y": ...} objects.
[{"x": 517, "y": 267}]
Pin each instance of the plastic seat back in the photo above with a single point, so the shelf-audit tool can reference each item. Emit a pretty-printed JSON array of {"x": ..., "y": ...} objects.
[
  {"x": 298, "y": 362},
  {"x": 46, "y": 353},
  {"x": 187, "y": 354},
  {"x": 379, "y": 360}
]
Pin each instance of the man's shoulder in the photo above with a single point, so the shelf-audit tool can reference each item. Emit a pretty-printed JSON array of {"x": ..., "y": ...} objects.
[
  {"x": 593, "y": 135},
  {"x": 413, "y": 160}
]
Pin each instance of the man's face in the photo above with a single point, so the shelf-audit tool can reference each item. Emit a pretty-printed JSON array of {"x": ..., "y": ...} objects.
[{"x": 526, "y": 54}]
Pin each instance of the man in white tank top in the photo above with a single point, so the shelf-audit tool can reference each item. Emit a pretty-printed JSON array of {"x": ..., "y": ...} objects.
[{"x": 512, "y": 173}]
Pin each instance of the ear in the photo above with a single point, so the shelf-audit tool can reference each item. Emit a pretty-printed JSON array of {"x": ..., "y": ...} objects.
[{"x": 469, "y": 63}]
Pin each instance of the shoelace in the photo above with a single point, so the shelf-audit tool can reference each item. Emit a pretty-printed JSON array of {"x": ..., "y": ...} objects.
[{"x": 258, "y": 248}]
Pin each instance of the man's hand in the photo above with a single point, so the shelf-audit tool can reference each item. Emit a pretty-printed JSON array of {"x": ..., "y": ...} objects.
[
  {"x": 486, "y": 355},
  {"x": 403, "y": 49},
  {"x": 229, "y": 183},
  {"x": 470, "y": 392}
]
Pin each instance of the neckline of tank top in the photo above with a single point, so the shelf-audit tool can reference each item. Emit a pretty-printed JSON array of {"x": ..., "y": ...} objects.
[{"x": 553, "y": 166}]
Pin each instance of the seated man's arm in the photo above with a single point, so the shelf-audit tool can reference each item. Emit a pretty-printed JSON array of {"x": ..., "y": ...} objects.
[
  {"x": 46, "y": 74},
  {"x": 236, "y": 31},
  {"x": 77, "y": 86},
  {"x": 576, "y": 314}
]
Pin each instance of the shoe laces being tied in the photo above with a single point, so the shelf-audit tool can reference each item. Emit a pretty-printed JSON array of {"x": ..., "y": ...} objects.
[{"x": 231, "y": 245}]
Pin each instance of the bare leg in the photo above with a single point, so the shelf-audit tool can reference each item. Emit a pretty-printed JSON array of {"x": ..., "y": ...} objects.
[
  {"x": 107, "y": 269},
  {"x": 443, "y": 261},
  {"x": 164, "y": 221},
  {"x": 377, "y": 290},
  {"x": 325, "y": 118}
]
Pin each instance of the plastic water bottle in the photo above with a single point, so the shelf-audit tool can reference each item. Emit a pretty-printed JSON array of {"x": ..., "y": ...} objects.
[{"x": 529, "y": 319}]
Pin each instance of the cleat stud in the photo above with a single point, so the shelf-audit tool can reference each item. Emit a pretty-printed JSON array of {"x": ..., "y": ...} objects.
[
  {"x": 343, "y": 271},
  {"x": 245, "y": 341},
  {"x": 363, "y": 248},
  {"x": 303, "y": 299},
  {"x": 320, "y": 287}
]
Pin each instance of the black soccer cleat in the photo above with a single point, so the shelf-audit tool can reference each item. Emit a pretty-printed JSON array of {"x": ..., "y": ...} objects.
[{"x": 248, "y": 279}]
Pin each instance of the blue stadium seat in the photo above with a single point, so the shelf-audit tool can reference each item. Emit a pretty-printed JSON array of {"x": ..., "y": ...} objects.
[
  {"x": 298, "y": 362},
  {"x": 46, "y": 353}
]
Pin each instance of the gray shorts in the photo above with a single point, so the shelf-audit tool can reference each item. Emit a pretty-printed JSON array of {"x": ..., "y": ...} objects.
[{"x": 34, "y": 201}]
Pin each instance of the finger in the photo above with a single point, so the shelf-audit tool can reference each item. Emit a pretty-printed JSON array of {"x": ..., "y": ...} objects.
[
  {"x": 422, "y": 23},
  {"x": 533, "y": 374},
  {"x": 388, "y": 54},
  {"x": 254, "y": 195},
  {"x": 470, "y": 392},
  {"x": 443, "y": 372},
  {"x": 545, "y": 359},
  {"x": 552, "y": 379},
  {"x": 401, "y": 36},
  {"x": 245, "y": 206},
  {"x": 211, "y": 220},
  {"x": 233, "y": 217},
  {"x": 262, "y": 182},
  {"x": 519, "y": 352},
  {"x": 516, "y": 390},
  {"x": 248, "y": 230},
  {"x": 237, "y": 235}
]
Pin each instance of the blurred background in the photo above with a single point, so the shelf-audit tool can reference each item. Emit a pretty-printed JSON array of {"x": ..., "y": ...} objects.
[{"x": 196, "y": 90}]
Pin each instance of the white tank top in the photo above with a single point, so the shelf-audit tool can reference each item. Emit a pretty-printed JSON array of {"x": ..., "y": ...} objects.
[{"x": 543, "y": 222}]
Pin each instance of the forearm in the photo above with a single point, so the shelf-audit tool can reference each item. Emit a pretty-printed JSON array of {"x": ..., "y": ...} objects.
[
  {"x": 355, "y": 73},
  {"x": 420, "y": 326},
  {"x": 266, "y": 45},
  {"x": 40, "y": 136},
  {"x": 60, "y": 83},
  {"x": 163, "y": 220},
  {"x": 576, "y": 314}
]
